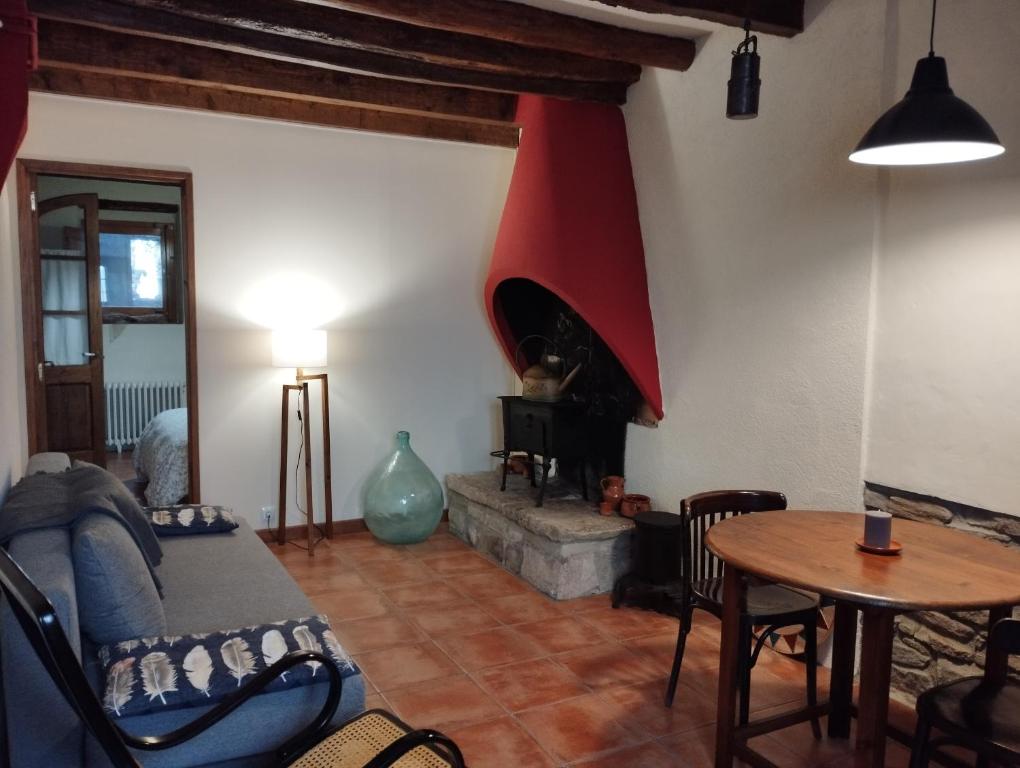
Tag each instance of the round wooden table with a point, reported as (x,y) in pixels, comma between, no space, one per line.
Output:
(939,569)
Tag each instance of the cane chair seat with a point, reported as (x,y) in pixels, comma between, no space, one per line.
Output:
(361,739)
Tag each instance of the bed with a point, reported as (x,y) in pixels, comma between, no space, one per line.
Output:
(161,457)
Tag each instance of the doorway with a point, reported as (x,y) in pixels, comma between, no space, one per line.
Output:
(108,309)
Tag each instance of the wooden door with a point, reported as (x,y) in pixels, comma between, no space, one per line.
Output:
(69,325)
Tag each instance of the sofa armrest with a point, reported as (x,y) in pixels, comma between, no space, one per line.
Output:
(47,463)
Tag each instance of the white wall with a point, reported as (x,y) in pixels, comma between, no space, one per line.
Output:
(758,238)
(382,240)
(945,411)
(13,443)
(816,321)
(146,352)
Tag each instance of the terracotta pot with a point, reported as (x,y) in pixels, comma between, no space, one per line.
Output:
(632,503)
(607,508)
(612,490)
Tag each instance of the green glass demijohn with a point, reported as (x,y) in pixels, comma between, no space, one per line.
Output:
(403,499)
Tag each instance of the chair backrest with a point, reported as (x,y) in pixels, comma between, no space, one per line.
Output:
(703,510)
(1005,636)
(38,620)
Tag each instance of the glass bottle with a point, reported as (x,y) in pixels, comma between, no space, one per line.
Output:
(403,499)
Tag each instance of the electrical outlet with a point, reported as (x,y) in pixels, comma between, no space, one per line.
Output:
(267,514)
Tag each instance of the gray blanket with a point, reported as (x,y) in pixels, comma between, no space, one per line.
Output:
(60,499)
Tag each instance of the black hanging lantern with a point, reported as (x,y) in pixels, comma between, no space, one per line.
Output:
(745,84)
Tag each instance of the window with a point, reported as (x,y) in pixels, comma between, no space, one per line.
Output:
(136,272)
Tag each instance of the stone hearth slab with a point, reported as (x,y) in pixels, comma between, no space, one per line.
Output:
(564,548)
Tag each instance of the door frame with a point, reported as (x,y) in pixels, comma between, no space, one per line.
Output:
(28,171)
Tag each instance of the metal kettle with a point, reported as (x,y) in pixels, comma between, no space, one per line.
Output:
(545,380)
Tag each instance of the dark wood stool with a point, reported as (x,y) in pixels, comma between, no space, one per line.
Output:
(655,580)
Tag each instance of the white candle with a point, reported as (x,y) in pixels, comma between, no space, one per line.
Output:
(877,528)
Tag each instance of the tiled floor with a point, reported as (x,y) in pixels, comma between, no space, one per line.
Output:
(447,639)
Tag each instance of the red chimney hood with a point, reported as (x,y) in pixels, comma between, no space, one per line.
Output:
(570,225)
(17,58)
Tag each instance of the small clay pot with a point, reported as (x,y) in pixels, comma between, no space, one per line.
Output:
(519,466)
(612,490)
(607,508)
(632,503)
(612,481)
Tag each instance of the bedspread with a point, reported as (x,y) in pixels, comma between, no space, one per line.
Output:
(161,457)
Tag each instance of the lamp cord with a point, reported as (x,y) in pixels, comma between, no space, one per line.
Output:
(297,495)
(297,465)
(931,37)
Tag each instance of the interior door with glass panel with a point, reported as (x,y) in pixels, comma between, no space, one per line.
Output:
(68,293)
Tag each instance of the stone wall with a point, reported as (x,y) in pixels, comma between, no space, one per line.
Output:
(565,548)
(934,648)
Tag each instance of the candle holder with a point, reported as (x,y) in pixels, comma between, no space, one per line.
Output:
(877,539)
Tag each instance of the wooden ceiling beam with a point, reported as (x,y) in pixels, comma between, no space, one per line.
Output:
(98,85)
(533,27)
(71,46)
(171,26)
(775,17)
(368,32)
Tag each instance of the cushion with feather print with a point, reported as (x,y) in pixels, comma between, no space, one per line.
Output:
(153,674)
(186,519)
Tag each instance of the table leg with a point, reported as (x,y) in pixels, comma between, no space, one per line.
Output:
(873,703)
(841,687)
(734,599)
(997,662)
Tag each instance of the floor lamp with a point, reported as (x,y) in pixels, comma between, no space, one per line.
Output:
(303,349)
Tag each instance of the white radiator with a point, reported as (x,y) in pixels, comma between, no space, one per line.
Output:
(130,406)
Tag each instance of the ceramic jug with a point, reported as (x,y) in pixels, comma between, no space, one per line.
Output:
(612,490)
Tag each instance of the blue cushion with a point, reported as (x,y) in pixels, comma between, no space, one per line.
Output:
(185,519)
(117,597)
(166,673)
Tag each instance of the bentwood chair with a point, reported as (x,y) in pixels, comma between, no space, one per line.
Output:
(977,714)
(769,606)
(374,739)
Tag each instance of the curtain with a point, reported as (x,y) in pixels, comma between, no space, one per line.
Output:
(65,337)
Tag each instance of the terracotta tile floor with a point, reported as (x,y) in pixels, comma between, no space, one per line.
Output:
(447,639)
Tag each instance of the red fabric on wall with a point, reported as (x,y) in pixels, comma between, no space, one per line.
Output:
(571,225)
(17,58)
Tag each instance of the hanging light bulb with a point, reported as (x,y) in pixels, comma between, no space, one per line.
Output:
(931,125)
(744,86)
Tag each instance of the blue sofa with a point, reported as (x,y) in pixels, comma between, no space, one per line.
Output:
(210,582)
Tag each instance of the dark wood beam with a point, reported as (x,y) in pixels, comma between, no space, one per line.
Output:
(775,17)
(98,85)
(172,26)
(534,27)
(71,46)
(373,33)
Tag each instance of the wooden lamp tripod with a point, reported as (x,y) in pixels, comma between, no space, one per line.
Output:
(300,350)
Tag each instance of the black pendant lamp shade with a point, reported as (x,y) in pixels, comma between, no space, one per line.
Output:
(931,125)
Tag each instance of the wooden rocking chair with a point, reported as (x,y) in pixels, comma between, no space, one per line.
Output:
(374,739)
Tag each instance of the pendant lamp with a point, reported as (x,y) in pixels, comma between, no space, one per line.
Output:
(930,125)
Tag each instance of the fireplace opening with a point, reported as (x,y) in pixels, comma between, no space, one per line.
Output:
(540,324)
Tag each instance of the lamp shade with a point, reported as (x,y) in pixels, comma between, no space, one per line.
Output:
(931,125)
(299,349)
